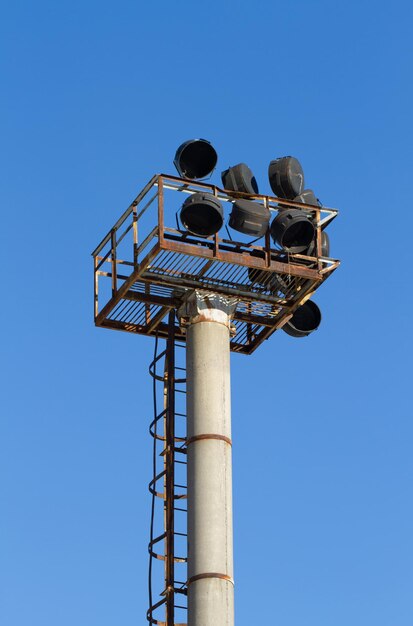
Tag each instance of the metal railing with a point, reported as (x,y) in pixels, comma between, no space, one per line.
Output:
(148,259)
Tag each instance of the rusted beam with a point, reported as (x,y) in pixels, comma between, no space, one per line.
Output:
(191,283)
(117,325)
(162,331)
(244,259)
(174,302)
(249,318)
(150,298)
(273,202)
(155,321)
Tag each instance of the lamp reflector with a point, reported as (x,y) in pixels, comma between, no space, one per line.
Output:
(239,178)
(286,177)
(250,218)
(305,320)
(195,158)
(202,214)
(293,230)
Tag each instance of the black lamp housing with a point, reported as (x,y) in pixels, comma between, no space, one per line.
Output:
(195,158)
(239,178)
(286,177)
(325,246)
(293,230)
(305,320)
(308,197)
(250,218)
(202,214)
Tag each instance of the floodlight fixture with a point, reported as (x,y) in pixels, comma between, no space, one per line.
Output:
(307,197)
(250,218)
(293,230)
(286,177)
(195,158)
(239,178)
(325,246)
(304,321)
(202,214)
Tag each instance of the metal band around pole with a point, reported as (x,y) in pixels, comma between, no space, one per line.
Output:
(209,436)
(210,575)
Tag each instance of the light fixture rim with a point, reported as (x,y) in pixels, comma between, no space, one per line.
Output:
(180,150)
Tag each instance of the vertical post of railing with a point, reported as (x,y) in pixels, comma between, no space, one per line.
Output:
(267,249)
(216,238)
(319,251)
(96,285)
(216,246)
(267,242)
(135,233)
(113,260)
(161,218)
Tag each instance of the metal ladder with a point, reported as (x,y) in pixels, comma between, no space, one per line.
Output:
(168,487)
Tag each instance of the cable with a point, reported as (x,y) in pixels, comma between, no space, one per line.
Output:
(155,414)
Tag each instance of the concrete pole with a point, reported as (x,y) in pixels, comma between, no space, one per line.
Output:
(210,544)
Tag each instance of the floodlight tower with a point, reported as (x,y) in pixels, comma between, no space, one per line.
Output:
(217,295)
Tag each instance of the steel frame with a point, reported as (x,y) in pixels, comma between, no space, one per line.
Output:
(163,262)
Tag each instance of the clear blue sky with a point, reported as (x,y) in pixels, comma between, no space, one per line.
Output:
(96,96)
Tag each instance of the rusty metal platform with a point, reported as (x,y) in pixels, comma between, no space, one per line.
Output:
(146,264)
